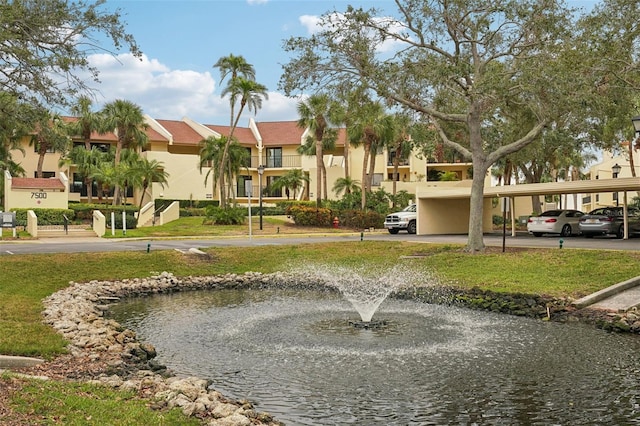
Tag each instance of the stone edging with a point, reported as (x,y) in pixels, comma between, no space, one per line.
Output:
(77,311)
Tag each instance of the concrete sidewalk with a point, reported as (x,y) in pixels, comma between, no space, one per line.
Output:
(618,298)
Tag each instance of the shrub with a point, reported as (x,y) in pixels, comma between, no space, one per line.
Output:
(132,222)
(310,216)
(84,211)
(45,216)
(226,216)
(359,219)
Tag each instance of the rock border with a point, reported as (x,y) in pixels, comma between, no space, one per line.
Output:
(77,313)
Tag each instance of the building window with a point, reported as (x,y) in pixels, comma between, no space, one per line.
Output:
(377,179)
(273,192)
(274,157)
(244,185)
(45,174)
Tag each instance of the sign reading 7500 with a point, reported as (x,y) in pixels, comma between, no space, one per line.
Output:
(39,195)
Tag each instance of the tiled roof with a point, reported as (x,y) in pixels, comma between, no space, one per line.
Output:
(36,183)
(111,137)
(243,134)
(280,133)
(182,133)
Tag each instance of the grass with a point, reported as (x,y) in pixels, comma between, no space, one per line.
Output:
(26,280)
(193,227)
(83,404)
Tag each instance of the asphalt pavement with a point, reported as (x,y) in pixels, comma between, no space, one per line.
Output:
(89,245)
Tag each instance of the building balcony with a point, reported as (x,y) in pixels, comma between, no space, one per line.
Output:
(284,162)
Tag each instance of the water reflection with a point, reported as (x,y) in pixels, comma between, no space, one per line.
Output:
(294,355)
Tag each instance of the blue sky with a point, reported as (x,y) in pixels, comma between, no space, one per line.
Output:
(182,39)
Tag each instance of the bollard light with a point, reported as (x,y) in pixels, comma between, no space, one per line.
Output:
(561,242)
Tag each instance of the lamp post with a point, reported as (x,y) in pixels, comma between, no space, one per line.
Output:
(260,173)
(615,170)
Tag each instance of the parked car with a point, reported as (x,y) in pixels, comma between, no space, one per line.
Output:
(564,222)
(609,221)
(405,219)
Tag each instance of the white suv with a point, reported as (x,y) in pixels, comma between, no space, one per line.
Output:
(406,219)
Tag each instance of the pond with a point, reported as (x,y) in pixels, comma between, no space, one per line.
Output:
(295,355)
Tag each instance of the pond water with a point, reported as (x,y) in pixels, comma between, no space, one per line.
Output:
(294,355)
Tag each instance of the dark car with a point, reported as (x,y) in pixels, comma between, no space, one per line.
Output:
(609,221)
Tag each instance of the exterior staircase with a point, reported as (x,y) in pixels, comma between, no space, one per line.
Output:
(72,231)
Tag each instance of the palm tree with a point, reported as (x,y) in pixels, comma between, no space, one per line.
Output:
(127,120)
(251,93)
(369,129)
(145,173)
(345,185)
(313,113)
(51,136)
(293,180)
(85,162)
(234,66)
(211,150)
(87,123)
(399,145)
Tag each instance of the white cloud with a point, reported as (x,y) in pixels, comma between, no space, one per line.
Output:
(311,23)
(172,94)
(257,1)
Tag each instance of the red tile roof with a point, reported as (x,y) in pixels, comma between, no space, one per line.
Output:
(36,183)
(182,133)
(278,133)
(243,134)
(111,137)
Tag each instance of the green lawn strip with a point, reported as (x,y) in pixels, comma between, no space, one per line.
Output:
(194,226)
(26,280)
(51,402)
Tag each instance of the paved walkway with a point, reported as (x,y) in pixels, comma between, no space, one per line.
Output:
(618,298)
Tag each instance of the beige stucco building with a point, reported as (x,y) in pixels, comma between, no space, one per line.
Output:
(272,145)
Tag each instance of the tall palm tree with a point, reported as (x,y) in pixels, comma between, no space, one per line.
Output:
(127,120)
(51,135)
(399,144)
(234,67)
(87,122)
(368,129)
(313,113)
(250,93)
(85,162)
(211,150)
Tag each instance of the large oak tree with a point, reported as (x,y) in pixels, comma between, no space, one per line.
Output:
(461,65)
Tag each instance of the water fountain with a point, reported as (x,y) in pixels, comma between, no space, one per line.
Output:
(364,287)
(294,353)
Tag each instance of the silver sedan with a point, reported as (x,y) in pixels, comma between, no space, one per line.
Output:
(564,222)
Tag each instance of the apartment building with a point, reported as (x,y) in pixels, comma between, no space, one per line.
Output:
(273,148)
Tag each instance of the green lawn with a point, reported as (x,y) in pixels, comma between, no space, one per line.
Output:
(26,280)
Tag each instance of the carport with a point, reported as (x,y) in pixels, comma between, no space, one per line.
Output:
(446,211)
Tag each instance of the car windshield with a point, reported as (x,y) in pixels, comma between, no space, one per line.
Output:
(552,213)
(410,208)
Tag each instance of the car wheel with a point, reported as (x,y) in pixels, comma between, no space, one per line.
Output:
(537,234)
(620,232)
(412,227)
(393,230)
(566,231)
